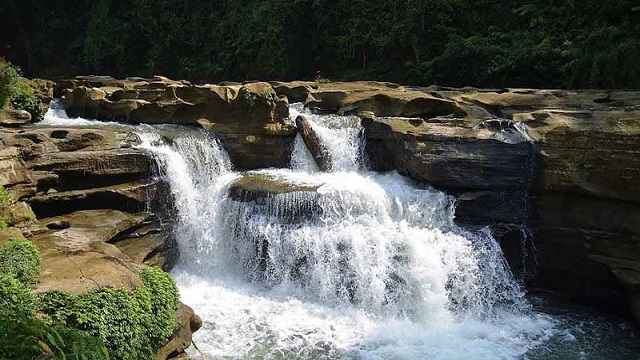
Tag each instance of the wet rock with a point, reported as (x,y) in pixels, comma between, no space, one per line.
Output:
(187,322)
(561,163)
(313,143)
(255,186)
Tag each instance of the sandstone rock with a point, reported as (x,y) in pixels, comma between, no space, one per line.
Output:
(187,322)
(255,186)
(78,257)
(295,91)
(87,169)
(18,214)
(130,197)
(10,117)
(143,246)
(381,99)
(562,163)
(250,120)
(10,233)
(451,157)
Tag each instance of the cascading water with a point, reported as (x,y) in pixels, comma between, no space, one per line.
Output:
(357,265)
(348,264)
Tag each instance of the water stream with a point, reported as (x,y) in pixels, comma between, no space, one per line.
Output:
(357,265)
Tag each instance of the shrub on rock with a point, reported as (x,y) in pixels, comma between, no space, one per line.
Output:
(15,299)
(133,325)
(21,260)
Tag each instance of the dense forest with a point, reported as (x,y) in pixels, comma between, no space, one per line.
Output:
(537,43)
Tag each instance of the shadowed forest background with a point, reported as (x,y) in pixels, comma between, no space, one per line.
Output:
(496,43)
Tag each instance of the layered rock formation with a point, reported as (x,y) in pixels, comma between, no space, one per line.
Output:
(82,196)
(251,120)
(555,173)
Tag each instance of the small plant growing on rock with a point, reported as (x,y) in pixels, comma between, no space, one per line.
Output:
(24,99)
(5,202)
(252,99)
(164,303)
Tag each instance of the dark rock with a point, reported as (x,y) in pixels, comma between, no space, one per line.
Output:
(187,322)
(313,143)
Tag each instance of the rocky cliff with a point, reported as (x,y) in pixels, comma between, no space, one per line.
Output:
(554,173)
(82,196)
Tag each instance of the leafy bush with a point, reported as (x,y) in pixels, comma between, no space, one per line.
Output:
(15,298)
(18,92)
(25,99)
(9,81)
(133,325)
(164,303)
(31,338)
(21,260)
(5,201)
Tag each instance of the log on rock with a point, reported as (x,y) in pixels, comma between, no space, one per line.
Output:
(312,142)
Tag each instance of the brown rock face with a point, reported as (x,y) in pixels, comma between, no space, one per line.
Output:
(251,120)
(10,117)
(381,99)
(89,188)
(187,322)
(562,163)
(295,91)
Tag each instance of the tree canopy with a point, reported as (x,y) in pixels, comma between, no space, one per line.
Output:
(497,43)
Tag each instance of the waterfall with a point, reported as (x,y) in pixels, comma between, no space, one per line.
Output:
(349,264)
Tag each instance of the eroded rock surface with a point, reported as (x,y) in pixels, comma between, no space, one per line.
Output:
(251,120)
(82,197)
(563,164)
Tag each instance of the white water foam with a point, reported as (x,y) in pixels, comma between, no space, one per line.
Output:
(248,315)
(370,267)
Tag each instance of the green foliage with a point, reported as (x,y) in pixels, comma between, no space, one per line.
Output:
(5,198)
(20,95)
(253,99)
(15,298)
(586,43)
(25,99)
(9,81)
(31,338)
(5,201)
(133,325)
(164,303)
(21,260)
